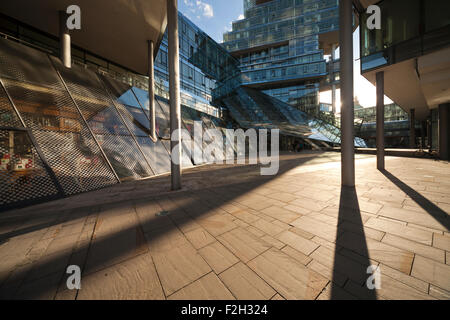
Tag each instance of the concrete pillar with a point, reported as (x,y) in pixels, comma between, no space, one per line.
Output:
(412,128)
(174,93)
(151,89)
(64,41)
(346,79)
(444,132)
(380,120)
(333,86)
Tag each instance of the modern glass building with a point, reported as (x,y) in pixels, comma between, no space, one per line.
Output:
(411,51)
(396,127)
(280,45)
(203,64)
(65,130)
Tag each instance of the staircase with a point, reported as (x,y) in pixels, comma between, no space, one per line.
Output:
(254,109)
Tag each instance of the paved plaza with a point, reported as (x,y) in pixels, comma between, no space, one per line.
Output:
(234,234)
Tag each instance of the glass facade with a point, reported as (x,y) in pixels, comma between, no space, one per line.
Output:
(203,62)
(409,28)
(277,44)
(252,108)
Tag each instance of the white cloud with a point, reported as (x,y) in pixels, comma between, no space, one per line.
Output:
(241,16)
(206,9)
(200,8)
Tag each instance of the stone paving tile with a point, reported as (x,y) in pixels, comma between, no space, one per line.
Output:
(133,279)
(337,267)
(297,209)
(217,224)
(273,242)
(392,256)
(406,279)
(246,284)
(411,216)
(302,233)
(417,248)
(43,288)
(178,267)
(338,278)
(348,214)
(297,255)
(241,223)
(286,276)
(243,244)
(309,204)
(208,287)
(441,242)
(303,245)
(421,236)
(393,289)
(368,232)
(281,214)
(335,293)
(218,257)
(255,231)
(432,271)
(164,239)
(156,244)
(439,293)
(269,228)
(199,238)
(316,227)
(245,216)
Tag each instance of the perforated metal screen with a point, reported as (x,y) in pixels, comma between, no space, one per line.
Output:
(139,124)
(80,131)
(163,108)
(55,123)
(23,177)
(105,122)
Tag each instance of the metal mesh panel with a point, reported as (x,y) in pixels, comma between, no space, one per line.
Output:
(8,117)
(56,124)
(155,152)
(64,140)
(105,122)
(163,109)
(23,177)
(208,124)
(26,64)
(139,125)
(188,122)
(194,115)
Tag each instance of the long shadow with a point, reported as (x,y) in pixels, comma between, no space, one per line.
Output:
(437,213)
(79,211)
(344,267)
(111,249)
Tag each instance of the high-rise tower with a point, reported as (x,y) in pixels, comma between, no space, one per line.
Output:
(281,46)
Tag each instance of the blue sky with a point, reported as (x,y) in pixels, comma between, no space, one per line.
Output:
(212,16)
